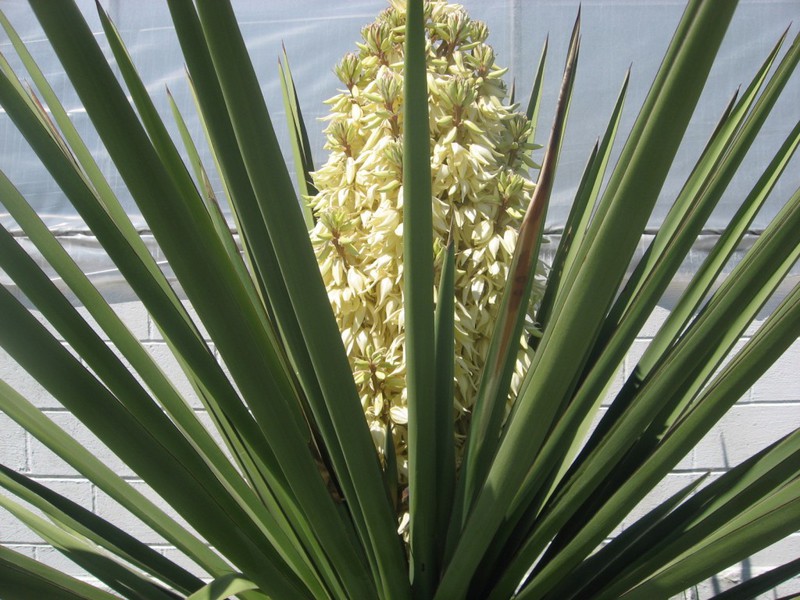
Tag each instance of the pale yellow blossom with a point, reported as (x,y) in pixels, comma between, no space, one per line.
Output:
(481,185)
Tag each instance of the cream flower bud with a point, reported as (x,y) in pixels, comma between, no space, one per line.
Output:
(341,137)
(349,70)
(378,40)
(460,93)
(481,59)
(388,87)
(479,31)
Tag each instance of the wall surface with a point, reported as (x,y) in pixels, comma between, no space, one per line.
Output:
(767,411)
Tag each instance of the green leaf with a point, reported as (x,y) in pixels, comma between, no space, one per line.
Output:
(140,360)
(106,218)
(72,516)
(111,572)
(444,374)
(139,269)
(766,529)
(615,557)
(208,195)
(610,349)
(704,188)
(647,157)
(151,447)
(490,402)
(418,306)
(223,587)
(138,357)
(583,207)
(23,578)
(768,344)
(535,100)
(729,240)
(301,147)
(298,265)
(21,411)
(78,150)
(258,243)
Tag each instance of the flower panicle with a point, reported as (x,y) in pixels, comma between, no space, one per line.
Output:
(480,159)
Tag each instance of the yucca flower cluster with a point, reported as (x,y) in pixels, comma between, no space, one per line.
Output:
(480,159)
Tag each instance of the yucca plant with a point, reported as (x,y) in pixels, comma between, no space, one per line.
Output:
(286,493)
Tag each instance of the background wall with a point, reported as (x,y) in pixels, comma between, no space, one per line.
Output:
(616,34)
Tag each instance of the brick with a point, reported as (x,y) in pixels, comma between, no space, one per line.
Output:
(14,531)
(785,590)
(734,575)
(24,549)
(131,312)
(46,462)
(777,554)
(24,384)
(110,509)
(654,322)
(742,432)
(180,559)
(155,334)
(77,490)
(615,386)
(666,488)
(781,382)
(53,558)
(12,444)
(635,353)
(169,365)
